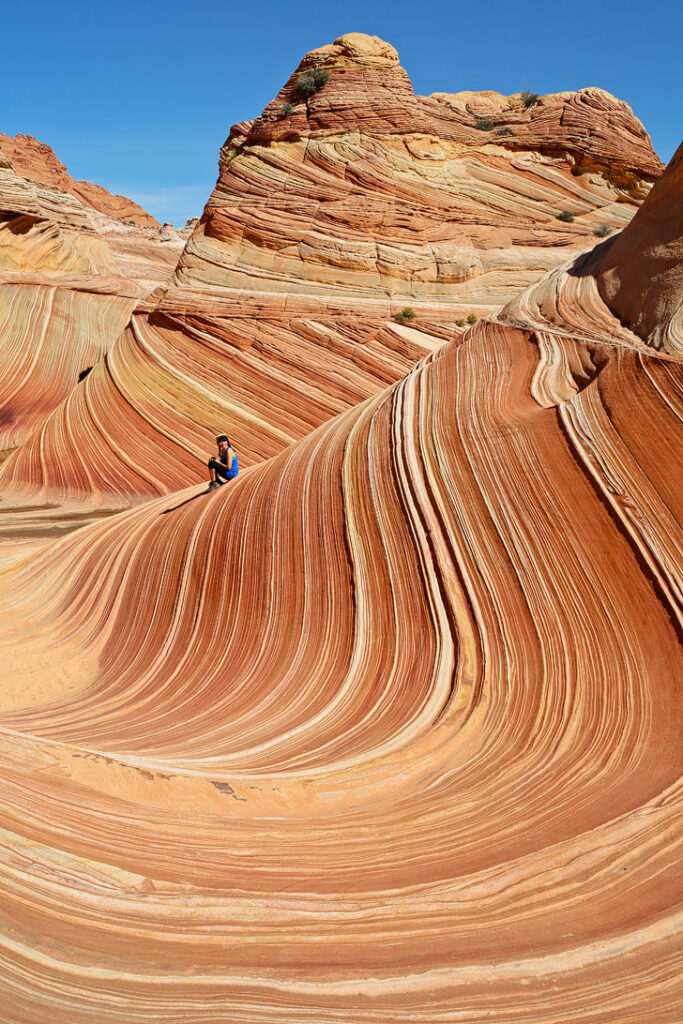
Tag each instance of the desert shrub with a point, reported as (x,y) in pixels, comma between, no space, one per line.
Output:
(406,315)
(505,131)
(602,231)
(320,76)
(311,82)
(484,124)
(460,323)
(286,110)
(472,319)
(305,85)
(643,133)
(566,216)
(529,98)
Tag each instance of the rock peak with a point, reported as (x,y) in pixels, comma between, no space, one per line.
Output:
(37,162)
(354,48)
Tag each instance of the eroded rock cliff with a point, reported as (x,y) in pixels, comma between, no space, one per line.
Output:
(329,219)
(386,729)
(36,161)
(69,280)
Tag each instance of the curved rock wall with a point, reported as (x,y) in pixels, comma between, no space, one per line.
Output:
(650,303)
(69,281)
(389,725)
(387,729)
(325,223)
(36,161)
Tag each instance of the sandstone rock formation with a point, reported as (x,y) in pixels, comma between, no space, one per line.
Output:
(364,188)
(326,221)
(388,729)
(370,92)
(69,281)
(641,276)
(36,161)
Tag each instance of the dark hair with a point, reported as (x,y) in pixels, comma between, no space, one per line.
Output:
(223,437)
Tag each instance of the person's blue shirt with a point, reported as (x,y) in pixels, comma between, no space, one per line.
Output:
(233,468)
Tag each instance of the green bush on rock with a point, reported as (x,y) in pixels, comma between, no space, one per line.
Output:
(310,82)
(405,316)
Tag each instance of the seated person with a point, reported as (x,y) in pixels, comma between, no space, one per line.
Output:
(224,467)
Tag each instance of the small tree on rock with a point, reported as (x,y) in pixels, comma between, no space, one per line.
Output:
(406,315)
(310,82)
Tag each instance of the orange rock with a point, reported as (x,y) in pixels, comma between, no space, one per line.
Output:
(641,274)
(387,726)
(69,280)
(325,223)
(36,161)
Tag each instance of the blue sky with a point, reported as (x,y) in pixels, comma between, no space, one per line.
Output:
(139,96)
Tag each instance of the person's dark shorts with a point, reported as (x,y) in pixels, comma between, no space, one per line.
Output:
(222,470)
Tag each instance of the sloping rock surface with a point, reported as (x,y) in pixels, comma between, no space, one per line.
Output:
(69,281)
(388,728)
(36,161)
(327,220)
(641,275)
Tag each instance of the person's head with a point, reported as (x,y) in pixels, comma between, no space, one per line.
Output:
(223,442)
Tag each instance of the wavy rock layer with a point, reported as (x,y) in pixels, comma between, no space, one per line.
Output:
(36,161)
(143,422)
(326,222)
(387,729)
(69,281)
(641,276)
(364,189)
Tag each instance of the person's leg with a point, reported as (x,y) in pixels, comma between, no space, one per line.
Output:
(218,470)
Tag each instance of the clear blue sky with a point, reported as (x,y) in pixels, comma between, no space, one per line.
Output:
(139,96)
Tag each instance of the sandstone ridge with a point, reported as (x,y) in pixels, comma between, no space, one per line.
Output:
(388,722)
(370,91)
(36,161)
(641,275)
(324,224)
(69,279)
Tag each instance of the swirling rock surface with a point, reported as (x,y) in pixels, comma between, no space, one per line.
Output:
(650,303)
(36,161)
(326,221)
(386,730)
(69,280)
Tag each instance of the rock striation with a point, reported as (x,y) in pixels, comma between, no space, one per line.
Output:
(69,281)
(37,162)
(387,728)
(641,274)
(365,188)
(327,220)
